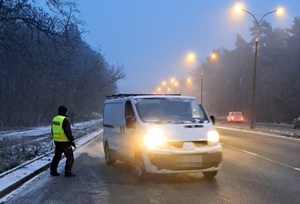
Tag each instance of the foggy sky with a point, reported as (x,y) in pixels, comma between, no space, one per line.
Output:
(151,38)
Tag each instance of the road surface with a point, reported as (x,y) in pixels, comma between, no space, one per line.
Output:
(256,169)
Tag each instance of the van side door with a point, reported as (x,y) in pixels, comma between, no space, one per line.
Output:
(113,123)
(128,134)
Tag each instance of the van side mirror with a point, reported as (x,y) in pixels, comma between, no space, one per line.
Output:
(213,119)
(130,122)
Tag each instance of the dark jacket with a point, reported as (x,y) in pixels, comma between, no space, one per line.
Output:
(67,129)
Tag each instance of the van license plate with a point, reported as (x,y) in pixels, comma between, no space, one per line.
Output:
(189,161)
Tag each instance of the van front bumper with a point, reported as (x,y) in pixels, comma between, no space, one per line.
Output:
(182,162)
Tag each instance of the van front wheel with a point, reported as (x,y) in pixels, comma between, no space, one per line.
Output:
(139,168)
(108,157)
(210,175)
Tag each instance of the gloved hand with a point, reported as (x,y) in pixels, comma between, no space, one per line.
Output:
(73,144)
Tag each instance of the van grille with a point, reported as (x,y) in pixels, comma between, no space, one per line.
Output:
(179,144)
(169,161)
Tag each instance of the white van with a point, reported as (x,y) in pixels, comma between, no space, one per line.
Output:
(160,134)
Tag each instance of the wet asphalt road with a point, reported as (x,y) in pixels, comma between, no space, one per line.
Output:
(255,169)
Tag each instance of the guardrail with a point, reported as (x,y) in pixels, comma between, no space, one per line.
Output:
(10,184)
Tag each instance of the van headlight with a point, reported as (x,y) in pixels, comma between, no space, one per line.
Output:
(154,138)
(212,137)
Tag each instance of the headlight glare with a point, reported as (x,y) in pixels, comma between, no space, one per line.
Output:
(154,138)
(213,137)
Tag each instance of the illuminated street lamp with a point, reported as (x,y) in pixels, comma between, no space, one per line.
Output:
(179,83)
(158,90)
(165,87)
(171,86)
(169,90)
(192,57)
(185,82)
(175,83)
(239,9)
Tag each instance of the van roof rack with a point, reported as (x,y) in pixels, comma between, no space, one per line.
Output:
(122,95)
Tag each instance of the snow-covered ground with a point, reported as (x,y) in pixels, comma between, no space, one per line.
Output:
(13,178)
(37,131)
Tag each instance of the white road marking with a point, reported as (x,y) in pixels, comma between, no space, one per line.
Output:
(265,158)
(249,152)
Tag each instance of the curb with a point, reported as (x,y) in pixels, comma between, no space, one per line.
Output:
(20,182)
(43,168)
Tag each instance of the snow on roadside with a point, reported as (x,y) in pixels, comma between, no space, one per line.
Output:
(37,131)
(20,174)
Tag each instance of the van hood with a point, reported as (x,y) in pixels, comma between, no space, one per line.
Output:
(184,132)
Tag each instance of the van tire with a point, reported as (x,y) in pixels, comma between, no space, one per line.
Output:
(210,174)
(139,167)
(108,156)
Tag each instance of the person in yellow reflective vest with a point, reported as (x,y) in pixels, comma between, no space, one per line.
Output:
(64,140)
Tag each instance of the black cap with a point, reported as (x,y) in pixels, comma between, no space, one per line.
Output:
(62,110)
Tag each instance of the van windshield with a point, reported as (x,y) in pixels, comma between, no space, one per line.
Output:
(170,110)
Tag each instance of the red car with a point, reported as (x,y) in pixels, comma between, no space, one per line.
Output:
(235,117)
(296,123)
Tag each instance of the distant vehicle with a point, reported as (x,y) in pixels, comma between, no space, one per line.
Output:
(160,134)
(235,117)
(296,123)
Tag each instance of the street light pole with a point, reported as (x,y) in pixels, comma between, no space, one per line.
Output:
(202,75)
(201,99)
(192,56)
(252,117)
(252,120)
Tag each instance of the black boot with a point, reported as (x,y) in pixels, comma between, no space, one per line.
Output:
(54,174)
(69,174)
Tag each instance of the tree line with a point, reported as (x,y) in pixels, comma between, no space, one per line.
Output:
(44,62)
(228,80)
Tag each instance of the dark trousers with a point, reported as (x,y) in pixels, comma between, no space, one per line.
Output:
(66,148)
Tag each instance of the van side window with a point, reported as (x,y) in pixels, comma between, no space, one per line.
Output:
(113,114)
(128,109)
(129,114)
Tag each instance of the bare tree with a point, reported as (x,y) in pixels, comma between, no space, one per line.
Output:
(45,63)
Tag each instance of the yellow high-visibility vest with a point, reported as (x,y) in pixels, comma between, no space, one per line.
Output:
(57,129)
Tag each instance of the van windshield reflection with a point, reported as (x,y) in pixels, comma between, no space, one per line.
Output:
(166,110)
